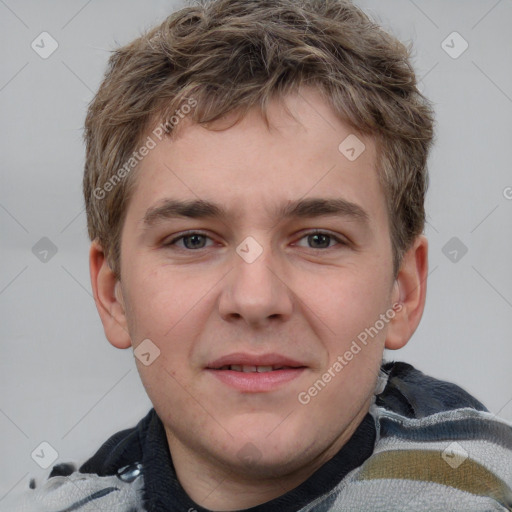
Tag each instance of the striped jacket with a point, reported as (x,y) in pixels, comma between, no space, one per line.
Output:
(435,449)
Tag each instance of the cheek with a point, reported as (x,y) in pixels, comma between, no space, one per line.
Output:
(170,309)
(164,302)
(347,302)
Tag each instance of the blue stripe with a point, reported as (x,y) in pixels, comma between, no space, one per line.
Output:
(92,497)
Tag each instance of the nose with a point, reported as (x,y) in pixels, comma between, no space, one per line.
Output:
(256,291)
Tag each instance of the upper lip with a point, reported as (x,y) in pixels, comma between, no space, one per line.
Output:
(244,359)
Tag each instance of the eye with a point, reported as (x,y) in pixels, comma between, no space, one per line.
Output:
(195,240)
(192,241)
(321,240)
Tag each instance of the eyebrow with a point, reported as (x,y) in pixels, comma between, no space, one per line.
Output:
(301,208)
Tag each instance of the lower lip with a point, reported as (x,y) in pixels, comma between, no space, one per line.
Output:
(254,382)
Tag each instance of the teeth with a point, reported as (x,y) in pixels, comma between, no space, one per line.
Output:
(263,369)
(251,368)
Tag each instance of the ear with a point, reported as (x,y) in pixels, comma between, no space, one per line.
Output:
(409,294)
(108,298)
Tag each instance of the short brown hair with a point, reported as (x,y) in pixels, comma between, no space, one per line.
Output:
(234,55)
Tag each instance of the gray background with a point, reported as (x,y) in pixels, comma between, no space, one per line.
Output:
(60,380)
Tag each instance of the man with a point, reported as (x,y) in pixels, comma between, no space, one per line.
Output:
(254,183)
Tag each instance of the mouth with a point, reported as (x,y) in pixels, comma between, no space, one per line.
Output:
(255,374)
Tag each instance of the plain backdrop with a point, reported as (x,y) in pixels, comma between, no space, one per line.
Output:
(60,380)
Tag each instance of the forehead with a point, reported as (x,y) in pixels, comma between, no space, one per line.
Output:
(250,167)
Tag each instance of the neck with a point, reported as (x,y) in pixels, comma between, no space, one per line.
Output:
(216,485)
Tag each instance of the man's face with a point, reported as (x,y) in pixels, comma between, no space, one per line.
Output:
(236,285)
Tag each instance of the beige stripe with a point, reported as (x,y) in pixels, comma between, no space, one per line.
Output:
(429,466)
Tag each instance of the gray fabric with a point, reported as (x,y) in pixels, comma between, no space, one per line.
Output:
(79,492)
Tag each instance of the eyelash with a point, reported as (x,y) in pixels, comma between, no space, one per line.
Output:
(305,235)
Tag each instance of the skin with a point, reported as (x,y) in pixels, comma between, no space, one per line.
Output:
(304,297)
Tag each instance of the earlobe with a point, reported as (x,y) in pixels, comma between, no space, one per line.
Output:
(108,298)
(409,294)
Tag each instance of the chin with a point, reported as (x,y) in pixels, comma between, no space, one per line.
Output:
(270,449)
(264,464)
